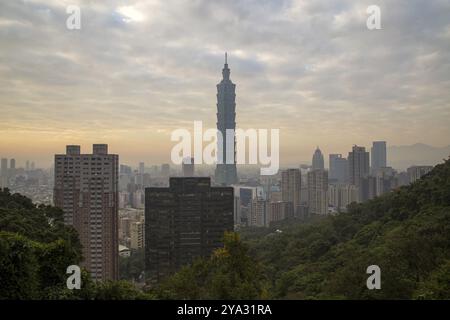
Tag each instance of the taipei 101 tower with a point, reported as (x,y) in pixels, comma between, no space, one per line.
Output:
(226,173)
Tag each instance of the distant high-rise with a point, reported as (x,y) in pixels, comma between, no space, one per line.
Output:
(27,165)
(318,191)
(358,164)
(317,160)
(342,194)
(165,169)
(137,235)
(417,172)
(226,173)
(245,195)
(12,164)
(86,189)
(367,188)
(291,183)
(141,168)
(125,170)
(338,169)
(4,173)
(32,166)
(279,210)
(187,167)
(258,213)
(184,221)
(378,156)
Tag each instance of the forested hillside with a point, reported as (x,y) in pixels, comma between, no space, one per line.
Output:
(35,250)
(406,233)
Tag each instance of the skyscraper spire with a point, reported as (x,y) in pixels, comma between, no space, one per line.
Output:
(226,173)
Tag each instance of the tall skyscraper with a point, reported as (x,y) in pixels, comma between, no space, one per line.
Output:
(291,183)
(338,169)
(317,160)
(184,221)
(378,156)
(187,167)
(4,173)
(318,191)
(86,189)
(358,164)
(226,173)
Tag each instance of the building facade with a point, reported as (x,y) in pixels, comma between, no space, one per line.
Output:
(416,172)
(318,191)
(358,164)
(338,169)
(291,184)
(280,210)
(4,173)
(258,213)
(184,221)
(378,156)
(317,160)
(86,189)
(137,231)
(187,167)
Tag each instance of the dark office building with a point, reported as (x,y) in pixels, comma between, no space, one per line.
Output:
(184,221)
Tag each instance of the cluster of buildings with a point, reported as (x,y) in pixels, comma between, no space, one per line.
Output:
(28,180)
(176,217)
(314,190)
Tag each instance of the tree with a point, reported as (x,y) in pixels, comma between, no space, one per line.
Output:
(230,273)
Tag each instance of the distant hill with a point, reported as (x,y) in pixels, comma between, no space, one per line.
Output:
(402,157)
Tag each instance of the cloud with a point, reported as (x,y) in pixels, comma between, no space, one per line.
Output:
(311,68)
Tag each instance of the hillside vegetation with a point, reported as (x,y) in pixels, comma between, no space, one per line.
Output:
(406,233)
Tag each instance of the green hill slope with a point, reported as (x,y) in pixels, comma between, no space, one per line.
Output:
(35,250)
(406,233)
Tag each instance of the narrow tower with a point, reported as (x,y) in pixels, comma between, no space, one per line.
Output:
(226,173)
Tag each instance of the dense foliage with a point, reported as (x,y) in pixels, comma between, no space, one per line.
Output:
(132,268)
(228,274)
(406,233)
(35,250)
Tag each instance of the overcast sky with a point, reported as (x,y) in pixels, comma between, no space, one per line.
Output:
(136,70)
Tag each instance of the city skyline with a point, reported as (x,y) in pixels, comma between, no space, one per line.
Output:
(114,81)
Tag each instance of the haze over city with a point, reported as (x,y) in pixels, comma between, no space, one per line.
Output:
(135,71)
